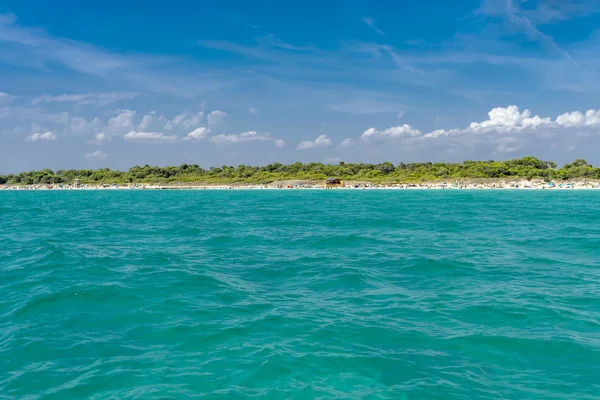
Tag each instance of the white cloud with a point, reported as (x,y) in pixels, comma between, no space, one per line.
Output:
(249,136)
(371,24)
(216,116)
(507,130)
(578,119)
(570,119)
(321,141)
(36,49)
(124,120)
(48,136)
(96,155)
(152,121)
(80,126)
(186,120)
(519,19)
(440,132)
(253,111)
(198,134)
(5,97)
(347,142)
(279,143)
(509,118)
(149,136)
(86,98)
(394,132)
(100,138)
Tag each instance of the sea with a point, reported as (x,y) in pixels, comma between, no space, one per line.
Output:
(300,294)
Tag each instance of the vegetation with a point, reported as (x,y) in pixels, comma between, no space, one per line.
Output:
(524,168)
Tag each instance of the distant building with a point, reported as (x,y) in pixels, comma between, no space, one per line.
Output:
(333,181)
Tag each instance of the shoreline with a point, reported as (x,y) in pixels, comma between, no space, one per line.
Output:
(311,185)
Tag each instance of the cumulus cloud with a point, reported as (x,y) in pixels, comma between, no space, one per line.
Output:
(96,155)
(101,99)
(80,126)
(394,132)
(63,123)
(509,118)
(216,116)
(347,142)
(321,141)
(249,136)
(198,134)
(509,130)
(506,130)
(186,120)
(123,120)
(502,120)
(45,137)
(279,143)
(149,136)
(152,121)
(440,133)
(578,119)
(99,138)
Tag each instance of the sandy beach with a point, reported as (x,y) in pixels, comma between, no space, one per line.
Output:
(315,185)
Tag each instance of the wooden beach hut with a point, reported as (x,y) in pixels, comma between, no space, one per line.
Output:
(333,182)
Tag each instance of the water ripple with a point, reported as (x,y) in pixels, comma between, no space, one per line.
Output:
(290,294)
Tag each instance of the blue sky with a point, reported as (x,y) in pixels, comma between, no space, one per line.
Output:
(114,84)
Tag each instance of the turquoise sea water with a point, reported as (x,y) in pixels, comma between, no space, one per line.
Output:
(300,294)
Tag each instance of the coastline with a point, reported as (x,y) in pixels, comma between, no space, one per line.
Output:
(472,184)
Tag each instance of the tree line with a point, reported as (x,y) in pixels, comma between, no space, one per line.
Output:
(527,168)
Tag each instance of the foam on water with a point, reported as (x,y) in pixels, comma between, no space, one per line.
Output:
(299,294)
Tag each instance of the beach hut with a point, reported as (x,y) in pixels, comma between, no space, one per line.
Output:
(333,182)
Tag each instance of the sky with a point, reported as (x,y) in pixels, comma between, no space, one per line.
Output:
(117,84)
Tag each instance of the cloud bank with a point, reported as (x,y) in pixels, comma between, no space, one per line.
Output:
(507,129)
